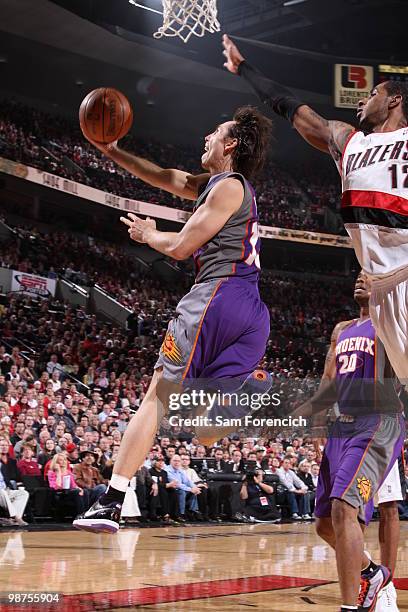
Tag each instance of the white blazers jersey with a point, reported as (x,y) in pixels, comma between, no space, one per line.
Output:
(374,173)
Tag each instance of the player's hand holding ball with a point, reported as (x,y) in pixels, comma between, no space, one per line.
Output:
(138,228)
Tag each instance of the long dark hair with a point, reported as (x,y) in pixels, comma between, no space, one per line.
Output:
(252,131)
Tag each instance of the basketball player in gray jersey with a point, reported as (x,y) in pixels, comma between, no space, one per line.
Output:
(221,326)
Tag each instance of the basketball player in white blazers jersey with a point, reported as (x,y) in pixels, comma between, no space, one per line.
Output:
(373,165)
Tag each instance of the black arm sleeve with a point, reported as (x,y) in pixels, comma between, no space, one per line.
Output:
(278,97)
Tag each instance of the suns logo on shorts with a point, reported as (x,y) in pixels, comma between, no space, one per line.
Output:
(364,487)
(170,349)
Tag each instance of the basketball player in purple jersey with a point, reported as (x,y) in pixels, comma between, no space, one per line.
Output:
(221,326)
(356,354)
(372,162)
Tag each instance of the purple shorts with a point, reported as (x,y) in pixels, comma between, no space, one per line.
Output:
(356,460)
(220,331)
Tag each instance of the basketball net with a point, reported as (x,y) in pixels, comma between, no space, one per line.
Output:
(184,18)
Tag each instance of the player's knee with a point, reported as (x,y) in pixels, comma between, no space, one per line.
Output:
(324,528)
(342,513)
(167,392)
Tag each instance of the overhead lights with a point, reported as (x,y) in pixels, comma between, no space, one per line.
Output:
(293,2)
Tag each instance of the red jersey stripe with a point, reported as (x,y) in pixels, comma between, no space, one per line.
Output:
(375,199)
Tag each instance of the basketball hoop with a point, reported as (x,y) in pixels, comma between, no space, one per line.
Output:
(184,18)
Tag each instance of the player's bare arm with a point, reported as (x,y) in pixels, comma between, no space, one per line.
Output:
(329,372)
(177,182)
(323,134)
(223,200)
(324,397)
(326,135)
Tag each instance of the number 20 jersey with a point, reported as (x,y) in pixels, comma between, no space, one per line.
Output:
(365,381)
(374,172)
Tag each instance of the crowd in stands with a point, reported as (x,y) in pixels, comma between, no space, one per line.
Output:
(55,144)
(62,421)
(86,262)
(299,331)
(69,384)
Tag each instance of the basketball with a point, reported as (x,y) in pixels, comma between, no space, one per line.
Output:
(105,115)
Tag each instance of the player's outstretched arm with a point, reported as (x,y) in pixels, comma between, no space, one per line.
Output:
(182,184)
(325,135)
(222,201)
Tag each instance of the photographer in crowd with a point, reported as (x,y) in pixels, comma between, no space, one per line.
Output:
(260,505)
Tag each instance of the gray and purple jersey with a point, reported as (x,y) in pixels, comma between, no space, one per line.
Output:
(221,326)
(365,380)
(234,250)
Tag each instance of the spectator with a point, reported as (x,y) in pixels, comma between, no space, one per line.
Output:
(88,477)
(13,497)
(220,464)
(123,421)
(72,453)
(314,470)
(296,490)
(202,498)
(160,502)
(18,434)
(13,374)
(60,478)
(55,379)
(183,487)
(28,464)
(304,473)
(53,365)
(236,464)
(47,454)
(169,451)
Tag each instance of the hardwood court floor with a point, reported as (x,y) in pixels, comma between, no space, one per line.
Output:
(197,568)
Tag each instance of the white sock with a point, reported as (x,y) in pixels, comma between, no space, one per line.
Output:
(349,608)
(120,483)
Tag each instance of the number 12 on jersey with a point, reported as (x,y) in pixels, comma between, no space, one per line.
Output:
(394,176)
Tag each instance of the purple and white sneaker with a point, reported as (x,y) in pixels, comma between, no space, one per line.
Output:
(370,587)
(100,518)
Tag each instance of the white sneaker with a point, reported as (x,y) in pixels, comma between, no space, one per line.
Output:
(306,517)
(387,599)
